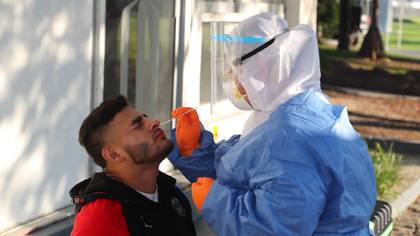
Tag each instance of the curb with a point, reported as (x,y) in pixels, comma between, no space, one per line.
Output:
(405,199)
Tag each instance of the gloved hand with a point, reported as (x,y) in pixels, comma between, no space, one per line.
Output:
(188,130)
(200,189)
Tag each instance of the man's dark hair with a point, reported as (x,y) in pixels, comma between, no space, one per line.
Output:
(91,133)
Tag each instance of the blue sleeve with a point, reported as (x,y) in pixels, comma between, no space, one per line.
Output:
(282,198)
(276,208)
(202,161)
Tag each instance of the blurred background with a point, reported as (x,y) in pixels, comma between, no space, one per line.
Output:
(60,59)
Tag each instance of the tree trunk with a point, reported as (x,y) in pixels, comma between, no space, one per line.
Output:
(344,31)
(373,46)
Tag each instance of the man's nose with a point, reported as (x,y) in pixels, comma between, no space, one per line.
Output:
(154,124)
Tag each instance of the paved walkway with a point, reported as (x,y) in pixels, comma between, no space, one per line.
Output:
(408,224)
(411,53)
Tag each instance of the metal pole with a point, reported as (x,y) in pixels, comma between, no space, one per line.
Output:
(125,47)
(402,3)
(97,72)
(237,4)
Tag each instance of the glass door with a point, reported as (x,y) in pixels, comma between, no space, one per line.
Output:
(139,55)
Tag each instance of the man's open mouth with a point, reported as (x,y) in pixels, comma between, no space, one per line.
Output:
(158,133)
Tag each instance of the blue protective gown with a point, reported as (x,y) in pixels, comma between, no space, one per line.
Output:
(305,171)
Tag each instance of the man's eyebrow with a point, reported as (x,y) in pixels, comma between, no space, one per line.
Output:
(137,120)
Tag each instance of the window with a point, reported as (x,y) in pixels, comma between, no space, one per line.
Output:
(219,115)
(139,55)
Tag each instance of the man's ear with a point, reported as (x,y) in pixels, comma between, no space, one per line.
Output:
(111,154)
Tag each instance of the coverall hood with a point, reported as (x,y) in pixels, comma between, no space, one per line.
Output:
(282,70)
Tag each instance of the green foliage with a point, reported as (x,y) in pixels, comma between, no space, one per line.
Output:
(387,165)
(328,17)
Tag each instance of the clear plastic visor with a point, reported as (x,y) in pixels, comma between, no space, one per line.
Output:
(226,51)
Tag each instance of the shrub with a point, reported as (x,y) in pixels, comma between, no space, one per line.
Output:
(328,18)
(387,165)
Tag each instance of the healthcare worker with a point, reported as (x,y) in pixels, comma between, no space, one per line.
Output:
(299,167)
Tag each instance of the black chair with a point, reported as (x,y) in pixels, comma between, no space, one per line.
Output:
(381,219)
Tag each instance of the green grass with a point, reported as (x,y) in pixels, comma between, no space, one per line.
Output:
(329,52)
(387,166)
(410,34)
(332,53)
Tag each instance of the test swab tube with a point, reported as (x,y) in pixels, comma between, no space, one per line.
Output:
(168,121)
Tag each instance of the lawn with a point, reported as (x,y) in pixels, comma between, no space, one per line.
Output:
(410,34)
(397,75)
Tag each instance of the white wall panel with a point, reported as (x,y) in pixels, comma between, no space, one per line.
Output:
(45,76)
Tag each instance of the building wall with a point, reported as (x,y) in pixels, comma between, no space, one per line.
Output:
(301,12)
(45,76)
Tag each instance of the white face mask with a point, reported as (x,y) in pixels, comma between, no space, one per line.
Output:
(237,99)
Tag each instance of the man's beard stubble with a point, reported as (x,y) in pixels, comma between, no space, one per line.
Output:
(141,154)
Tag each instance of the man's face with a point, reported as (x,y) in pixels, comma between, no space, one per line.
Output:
(140,137)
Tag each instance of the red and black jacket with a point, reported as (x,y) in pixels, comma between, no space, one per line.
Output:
(107,207)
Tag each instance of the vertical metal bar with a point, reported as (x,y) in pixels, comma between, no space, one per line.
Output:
(180,57)
(213,76)
(154,26)
(97,70)
(237,5)
(176,95)
(400,23)
(125,47)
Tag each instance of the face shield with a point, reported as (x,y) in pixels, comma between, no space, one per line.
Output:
(229,51)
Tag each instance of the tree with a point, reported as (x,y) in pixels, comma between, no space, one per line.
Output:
(328,13)
(345,29)
(373,46)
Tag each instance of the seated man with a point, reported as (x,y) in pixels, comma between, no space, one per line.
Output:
(131,196)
